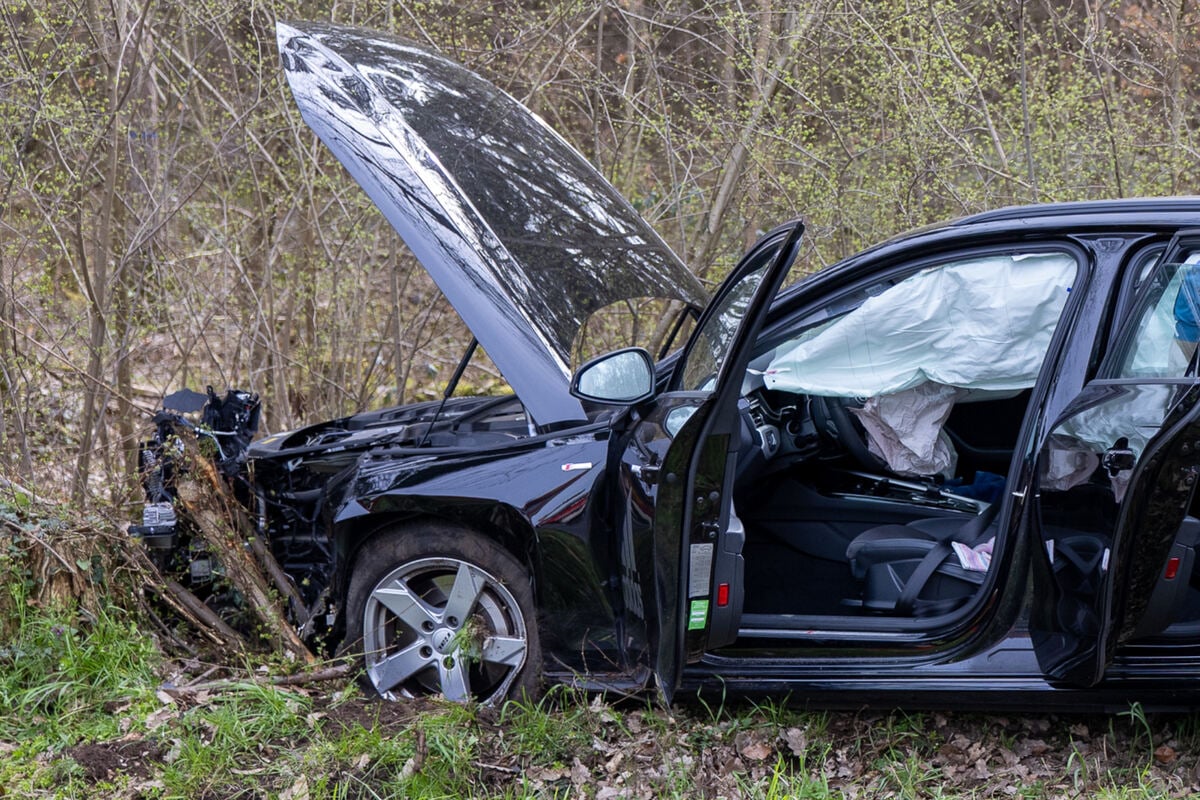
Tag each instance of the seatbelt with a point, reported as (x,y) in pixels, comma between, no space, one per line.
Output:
(972,532)
(968,534)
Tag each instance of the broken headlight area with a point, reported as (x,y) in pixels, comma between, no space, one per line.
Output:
(223,427)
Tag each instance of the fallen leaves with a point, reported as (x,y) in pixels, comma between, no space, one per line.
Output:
(297,791)
(796,741)
(1165,754)
(751,746)
(618,752)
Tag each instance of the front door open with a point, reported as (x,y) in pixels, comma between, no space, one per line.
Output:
(681,536)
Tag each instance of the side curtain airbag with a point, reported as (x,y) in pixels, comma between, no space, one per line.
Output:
(979,324)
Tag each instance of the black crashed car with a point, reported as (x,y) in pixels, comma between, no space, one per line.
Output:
(956,469)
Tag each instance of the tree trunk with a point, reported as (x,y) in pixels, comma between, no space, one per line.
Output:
(207,502)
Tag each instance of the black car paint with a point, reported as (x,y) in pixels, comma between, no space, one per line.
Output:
(1003,639)
(522,496)
(990,660)
(601,617)
(522,234)
(1167,473)
(591,509)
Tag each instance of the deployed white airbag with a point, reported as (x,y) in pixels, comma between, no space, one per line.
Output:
(1134,413)
(905,429)
(979,324)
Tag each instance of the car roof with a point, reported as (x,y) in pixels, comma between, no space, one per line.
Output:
(1074,209)
(1148,213)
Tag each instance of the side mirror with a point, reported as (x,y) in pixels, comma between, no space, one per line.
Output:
(622,377)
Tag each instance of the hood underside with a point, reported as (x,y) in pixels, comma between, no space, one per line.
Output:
(523,236)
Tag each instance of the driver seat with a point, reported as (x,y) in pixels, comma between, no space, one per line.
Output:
(911,570)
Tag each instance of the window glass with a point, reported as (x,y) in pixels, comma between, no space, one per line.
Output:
(651,322)
(973,330)
(713,341)
(1168,322)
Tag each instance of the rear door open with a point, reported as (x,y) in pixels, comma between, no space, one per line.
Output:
(1116,483)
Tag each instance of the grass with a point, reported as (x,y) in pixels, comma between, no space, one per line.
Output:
(75,692)
(555,728)
(57,675)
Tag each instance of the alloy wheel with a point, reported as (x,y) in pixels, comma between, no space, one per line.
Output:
(443,626)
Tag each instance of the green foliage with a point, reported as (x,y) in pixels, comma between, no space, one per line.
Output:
(554,728)
(221,735)
(244,739)
(169,220)
(1141,724)
(58,672)
(15,575)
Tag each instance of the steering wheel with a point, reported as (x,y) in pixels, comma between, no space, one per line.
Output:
(833,420)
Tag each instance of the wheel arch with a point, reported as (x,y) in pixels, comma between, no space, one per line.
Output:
(494,520)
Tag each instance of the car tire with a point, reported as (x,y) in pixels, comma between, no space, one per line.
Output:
(437,609)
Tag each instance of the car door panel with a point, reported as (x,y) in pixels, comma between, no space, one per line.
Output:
(680,532)
(1116,477)
(1105,534)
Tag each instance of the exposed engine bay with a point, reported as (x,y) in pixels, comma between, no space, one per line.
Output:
(282,480)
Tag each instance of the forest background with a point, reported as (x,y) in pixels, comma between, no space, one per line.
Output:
(166,219)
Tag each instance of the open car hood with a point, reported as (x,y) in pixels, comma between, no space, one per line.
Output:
(523,236)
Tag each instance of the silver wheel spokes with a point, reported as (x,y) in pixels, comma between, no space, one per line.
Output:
(443,625)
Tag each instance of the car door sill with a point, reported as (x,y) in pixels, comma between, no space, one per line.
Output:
(792,626)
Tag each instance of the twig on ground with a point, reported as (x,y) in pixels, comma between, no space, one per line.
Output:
(498,768)
(297,679)
(163,628)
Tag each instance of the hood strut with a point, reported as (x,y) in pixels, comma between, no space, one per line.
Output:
(450,387)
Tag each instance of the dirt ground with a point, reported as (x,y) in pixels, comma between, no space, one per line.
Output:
(640,752)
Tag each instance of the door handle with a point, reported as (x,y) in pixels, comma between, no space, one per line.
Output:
(648,475)
(1118,458)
